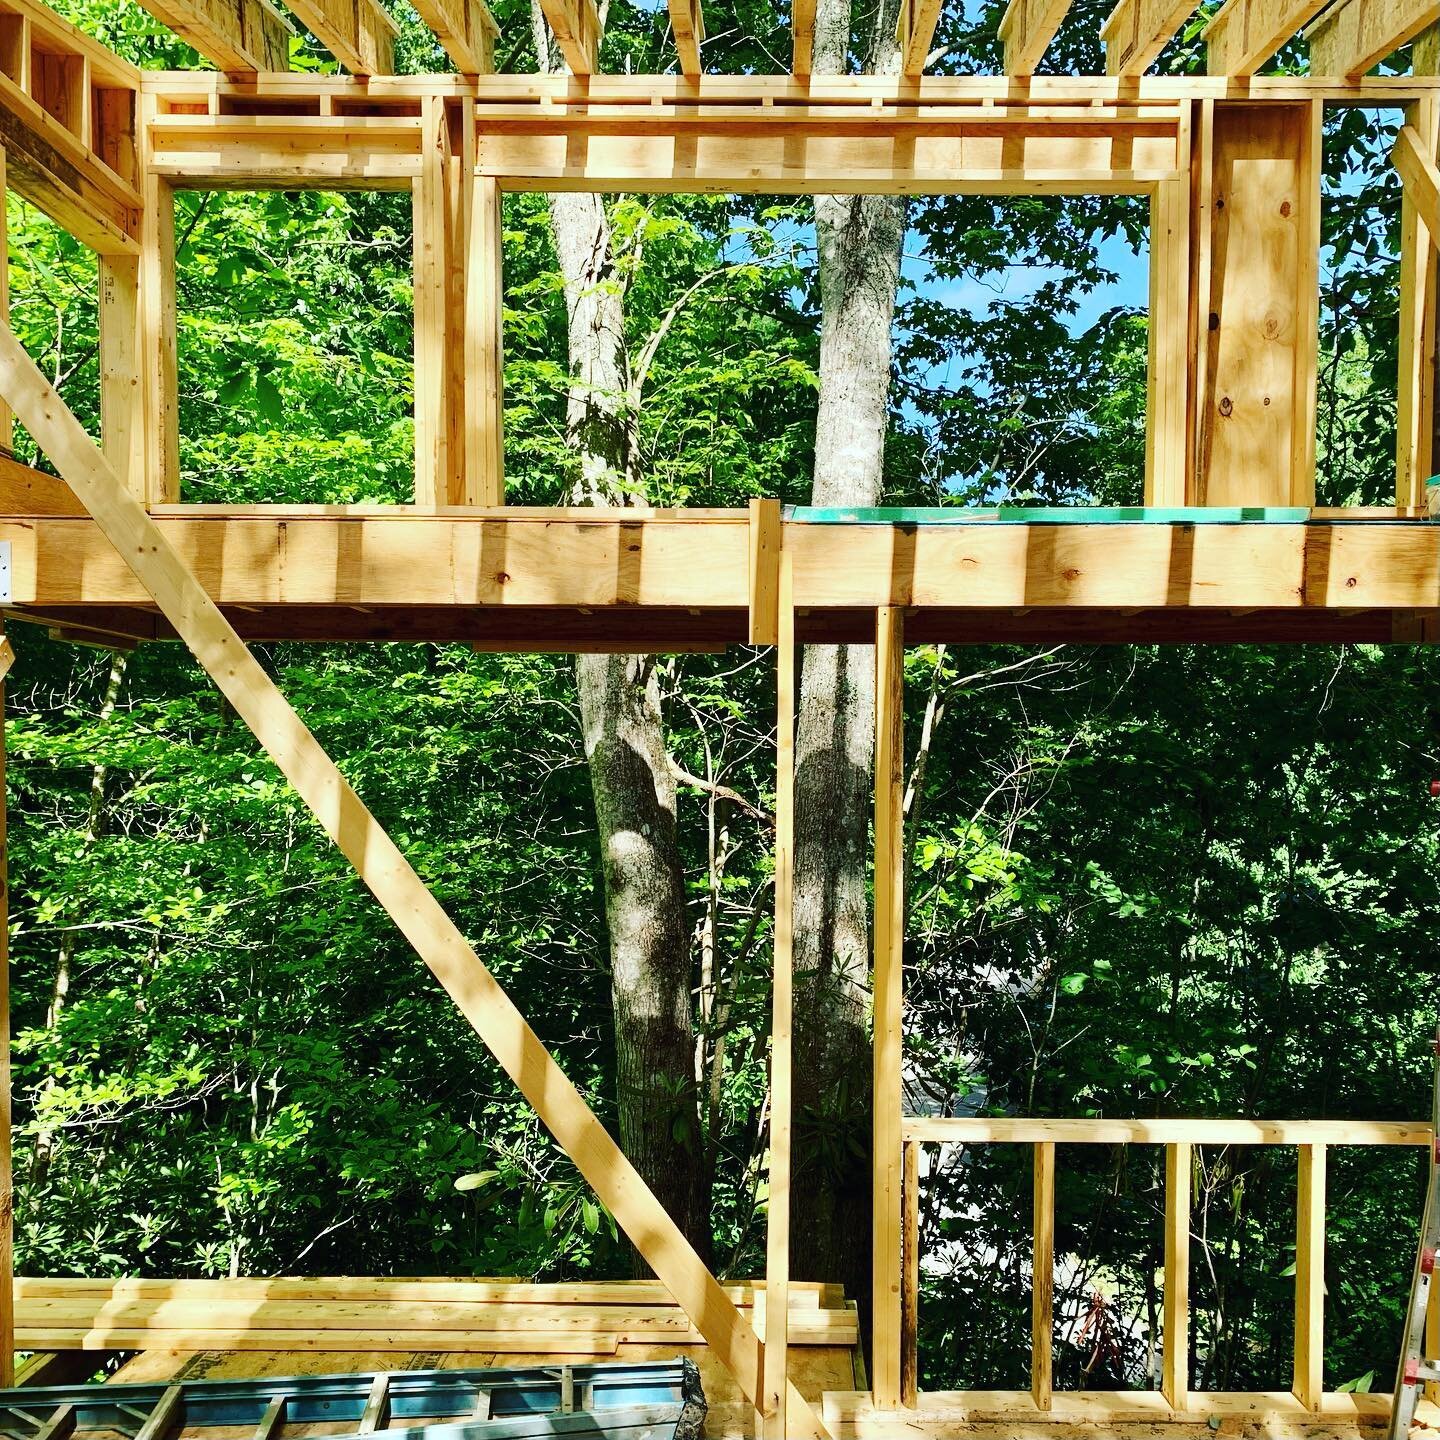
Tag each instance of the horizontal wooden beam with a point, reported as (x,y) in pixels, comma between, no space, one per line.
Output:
(1027,28)
(1355,35)
(1138,30)
(236,35)
(1244,34)
(1011,1130)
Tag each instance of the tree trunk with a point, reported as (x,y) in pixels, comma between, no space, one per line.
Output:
(859,239)
(630,777)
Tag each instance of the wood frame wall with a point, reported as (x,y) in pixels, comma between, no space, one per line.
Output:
(1231,172)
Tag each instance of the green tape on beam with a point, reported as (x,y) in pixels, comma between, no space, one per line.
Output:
(1051,515)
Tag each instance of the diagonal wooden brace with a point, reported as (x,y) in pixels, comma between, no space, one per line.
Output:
(378,861)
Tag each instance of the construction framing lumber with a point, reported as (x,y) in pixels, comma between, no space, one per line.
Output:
(1175,1338)
(183,600)
(915,32)
(1042,1276)
(1009,1130)
(466,30)
(359,33)
(887,1137)
(1243,34)
(1310,1277)
(575,25)
(1136,31)
(7,1178)
(687,25)
(1415,160)
(1353,36)
(1027,28)
(237,35)
(774,1404)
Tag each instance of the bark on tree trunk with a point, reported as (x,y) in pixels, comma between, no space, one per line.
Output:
(630,776)
(859,239)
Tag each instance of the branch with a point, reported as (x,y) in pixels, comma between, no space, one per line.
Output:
(721,792)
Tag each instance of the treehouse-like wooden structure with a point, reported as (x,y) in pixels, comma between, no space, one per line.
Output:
(1228,548)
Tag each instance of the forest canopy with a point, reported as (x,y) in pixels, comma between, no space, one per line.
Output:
(1142,880)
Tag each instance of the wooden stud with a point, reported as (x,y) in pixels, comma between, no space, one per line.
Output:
(1243,34)
(765,536)
(910,1279)
(777,1228)
(390,877)
(7,420)
(1354,36)
(7,1182)
(157,479)
(1309,1384)
(1415,413)
(1027,28)
(1042,1299)
(459,206)
(1167,432)
(60,1424)
(485,348)
(889,1000)
(431,289)
(802,37)
(1256,265)
(1175,1359)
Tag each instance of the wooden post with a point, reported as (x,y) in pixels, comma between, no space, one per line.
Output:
(1255,273)
(1042,1297)
(889,999)
(485,349)
(431,288)
(777,1229)
(157,479)
(7,419)
(910,1281)
(1167,431)
(1310,1277)
(1175,1361)
(184,602)
(7,1182)
(459,205)
(1415,408)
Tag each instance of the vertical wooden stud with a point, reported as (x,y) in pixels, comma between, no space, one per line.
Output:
(1415,397)
(777,1229)
(459,203)
(430,288)
(122,416)
(1166,429)
(485,348)
(1432,1339)
(765,540)
(889,1000)
(7,418)
(910,1281)
(157,480)
(1042,1296)
(7,1182)
(1256,267)
(1310,1277)
(1175,1360)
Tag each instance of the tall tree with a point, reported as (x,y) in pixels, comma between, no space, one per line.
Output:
(630,773)
(859,239)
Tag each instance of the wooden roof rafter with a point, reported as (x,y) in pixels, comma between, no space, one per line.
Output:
(1243,34)
(1027,28)
(1136,31)
(915,32)
(235,35)
(1353,36)
(687,24)
(576,27)
(359,33)
(466,30)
